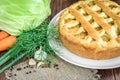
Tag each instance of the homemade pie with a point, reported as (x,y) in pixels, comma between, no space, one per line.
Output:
(91,29)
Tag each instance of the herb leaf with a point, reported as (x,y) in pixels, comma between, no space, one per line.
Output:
(27,43)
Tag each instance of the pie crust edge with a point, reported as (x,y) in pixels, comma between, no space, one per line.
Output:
(83,50)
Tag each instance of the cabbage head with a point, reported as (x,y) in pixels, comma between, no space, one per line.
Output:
(17,16)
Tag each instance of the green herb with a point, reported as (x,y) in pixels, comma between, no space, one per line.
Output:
(26,45)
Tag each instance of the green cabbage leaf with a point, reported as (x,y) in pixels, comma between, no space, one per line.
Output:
(17,16)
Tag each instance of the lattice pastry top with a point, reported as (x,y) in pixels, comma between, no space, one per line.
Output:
(93,23)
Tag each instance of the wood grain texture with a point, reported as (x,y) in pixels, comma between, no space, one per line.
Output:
(56,6)
(107,74)
(117,73)
(2,76)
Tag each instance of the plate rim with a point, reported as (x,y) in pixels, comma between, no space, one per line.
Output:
(53,21)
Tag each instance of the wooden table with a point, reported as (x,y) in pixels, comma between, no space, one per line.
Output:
(56,6)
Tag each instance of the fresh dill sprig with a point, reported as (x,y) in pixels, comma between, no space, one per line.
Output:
(27,43)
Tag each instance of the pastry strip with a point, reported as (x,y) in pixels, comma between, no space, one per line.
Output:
(87,26)
(99,20)
(109,12)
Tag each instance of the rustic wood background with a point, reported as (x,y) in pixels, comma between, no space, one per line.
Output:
(56,6)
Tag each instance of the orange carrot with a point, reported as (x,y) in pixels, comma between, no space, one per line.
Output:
(3,35)
(7,43)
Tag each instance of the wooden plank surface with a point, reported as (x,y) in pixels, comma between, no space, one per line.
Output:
(56,6)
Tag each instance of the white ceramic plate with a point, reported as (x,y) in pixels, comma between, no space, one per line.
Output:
(68,56)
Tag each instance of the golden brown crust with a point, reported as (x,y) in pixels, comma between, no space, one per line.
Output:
(90,53)
(88,32)
(85,24)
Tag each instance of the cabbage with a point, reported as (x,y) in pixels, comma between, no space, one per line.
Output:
(17,16)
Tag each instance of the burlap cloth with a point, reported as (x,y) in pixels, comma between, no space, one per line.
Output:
(62,71)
